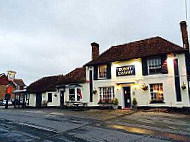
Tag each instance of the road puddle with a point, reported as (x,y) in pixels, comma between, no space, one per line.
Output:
(175,137)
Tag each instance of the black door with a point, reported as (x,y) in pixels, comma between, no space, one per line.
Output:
(91,86)
(127,96)
(62,98)
(38,100)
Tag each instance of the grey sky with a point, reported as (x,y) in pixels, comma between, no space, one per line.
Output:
(49,37)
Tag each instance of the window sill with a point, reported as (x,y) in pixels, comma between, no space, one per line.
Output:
(102,78)
(157,102)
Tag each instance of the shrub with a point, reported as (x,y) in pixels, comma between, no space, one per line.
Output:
(115,101)
(134,102)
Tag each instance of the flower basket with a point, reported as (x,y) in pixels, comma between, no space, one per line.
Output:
(94,92)
(144,87)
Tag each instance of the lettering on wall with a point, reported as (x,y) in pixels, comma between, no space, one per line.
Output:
(125,70)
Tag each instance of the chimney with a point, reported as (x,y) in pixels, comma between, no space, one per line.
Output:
(184,33)
(95,50)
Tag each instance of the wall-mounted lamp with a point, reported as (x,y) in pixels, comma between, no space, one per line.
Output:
(183,86)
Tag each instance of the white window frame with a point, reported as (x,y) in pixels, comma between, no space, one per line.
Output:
(105,74)
(155,63)
(154,98)
(75,94)
(103,90)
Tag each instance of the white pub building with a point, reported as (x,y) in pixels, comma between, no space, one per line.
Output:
(154,71)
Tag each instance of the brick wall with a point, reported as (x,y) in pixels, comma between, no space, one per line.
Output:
(3,92)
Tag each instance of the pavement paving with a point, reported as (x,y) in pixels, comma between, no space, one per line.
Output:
(54,125)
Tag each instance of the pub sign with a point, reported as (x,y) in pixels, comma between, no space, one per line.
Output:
(125,70)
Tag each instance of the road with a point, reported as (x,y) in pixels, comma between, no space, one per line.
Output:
(59,125)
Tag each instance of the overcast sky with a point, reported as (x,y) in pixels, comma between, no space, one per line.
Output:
(49,37)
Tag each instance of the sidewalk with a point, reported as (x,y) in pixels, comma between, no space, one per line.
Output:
(95,114)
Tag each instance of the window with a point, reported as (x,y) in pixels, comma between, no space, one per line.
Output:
(156,91)
(71,94)
(106,93)
(49,97)
(102,72)
(154,65)
(75,94)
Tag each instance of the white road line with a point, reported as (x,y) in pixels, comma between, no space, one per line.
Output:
(38,127)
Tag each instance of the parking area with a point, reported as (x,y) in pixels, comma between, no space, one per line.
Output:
(92,125)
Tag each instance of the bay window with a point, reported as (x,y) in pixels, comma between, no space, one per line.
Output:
(75,94)
(71,94)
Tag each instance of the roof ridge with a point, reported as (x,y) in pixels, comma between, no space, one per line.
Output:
(135,41)
(53,76)
(140,48)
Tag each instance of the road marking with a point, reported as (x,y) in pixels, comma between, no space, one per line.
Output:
(38,127)
(175,137)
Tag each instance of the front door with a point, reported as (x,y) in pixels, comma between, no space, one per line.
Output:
(127,97)
(38,100)
(62,98)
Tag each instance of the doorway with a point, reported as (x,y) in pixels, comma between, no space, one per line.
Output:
(62,98)
(127,97)
(38,100)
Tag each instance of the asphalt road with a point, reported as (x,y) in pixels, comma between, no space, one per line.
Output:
(55,125)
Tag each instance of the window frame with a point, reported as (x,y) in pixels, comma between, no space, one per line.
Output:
(70,94)
(155,95)
(76,96)
(105,73)
(107,89)
(156,61)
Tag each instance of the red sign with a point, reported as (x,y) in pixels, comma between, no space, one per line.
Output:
(9,90)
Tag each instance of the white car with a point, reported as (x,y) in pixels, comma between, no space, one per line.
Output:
(9,102)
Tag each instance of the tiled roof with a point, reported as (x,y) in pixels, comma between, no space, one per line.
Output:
(76,76)
(138,49)
(3,79)
(44,84)
(19,82)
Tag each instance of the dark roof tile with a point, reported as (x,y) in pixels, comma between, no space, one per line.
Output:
(138,49)
(19,82)
(76,76)
(44,84)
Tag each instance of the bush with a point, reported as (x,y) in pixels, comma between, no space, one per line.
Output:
(115,101)
(134,102)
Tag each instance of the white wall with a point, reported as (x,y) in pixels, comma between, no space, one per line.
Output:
(55,98)
(144,97)
(32,100)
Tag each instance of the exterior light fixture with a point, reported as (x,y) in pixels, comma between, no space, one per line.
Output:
(183,86)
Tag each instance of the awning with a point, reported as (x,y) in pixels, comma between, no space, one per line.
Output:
(73,85)
(60,86)
(19,91)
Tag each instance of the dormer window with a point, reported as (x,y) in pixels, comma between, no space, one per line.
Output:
(102,71)
(154,65)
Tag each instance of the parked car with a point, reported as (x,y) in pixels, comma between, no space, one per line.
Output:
(1,102)
(9,102)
